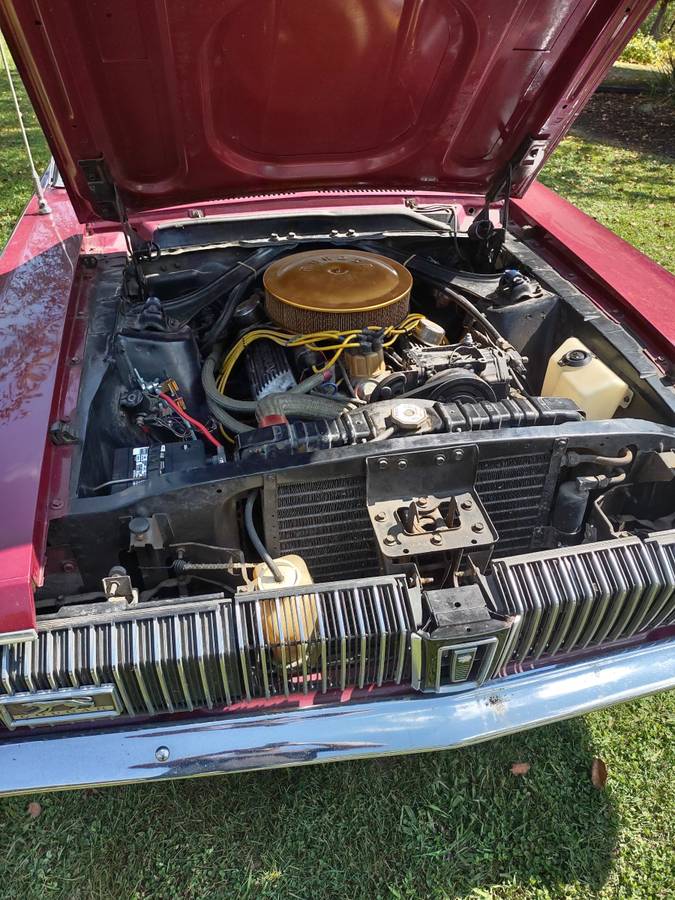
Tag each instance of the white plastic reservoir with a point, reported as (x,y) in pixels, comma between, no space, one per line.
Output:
(574,372)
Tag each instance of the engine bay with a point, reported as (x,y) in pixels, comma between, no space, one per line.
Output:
(297,414)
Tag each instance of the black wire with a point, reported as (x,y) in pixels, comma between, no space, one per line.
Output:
(432,274)
(217,331)
(187,306)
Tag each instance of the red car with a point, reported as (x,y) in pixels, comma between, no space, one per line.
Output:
(325,431)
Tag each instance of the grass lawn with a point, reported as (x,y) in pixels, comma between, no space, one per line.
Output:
(453,824)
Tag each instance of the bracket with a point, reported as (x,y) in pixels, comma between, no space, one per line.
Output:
(425,502)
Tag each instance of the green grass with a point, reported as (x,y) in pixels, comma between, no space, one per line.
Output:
(445,825)
(15,182)
(632,193)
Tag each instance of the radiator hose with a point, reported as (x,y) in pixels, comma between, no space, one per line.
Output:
(262,550)
(304,407)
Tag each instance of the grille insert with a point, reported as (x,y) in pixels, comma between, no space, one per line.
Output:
(585,596)
(212,651)
(161,660)
(357,636)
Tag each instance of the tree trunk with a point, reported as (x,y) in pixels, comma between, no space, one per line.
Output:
(657,24)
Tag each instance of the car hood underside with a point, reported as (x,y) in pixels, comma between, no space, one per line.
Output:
(152,104)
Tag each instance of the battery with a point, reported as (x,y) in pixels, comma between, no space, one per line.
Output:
(134,465)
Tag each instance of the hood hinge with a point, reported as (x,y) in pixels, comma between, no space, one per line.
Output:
(107,201)
(528,156)
(518,168)
(108,204)
(102,189)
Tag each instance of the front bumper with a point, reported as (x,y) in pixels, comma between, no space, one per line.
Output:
(212,746)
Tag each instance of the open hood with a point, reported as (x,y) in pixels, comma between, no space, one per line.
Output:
(153,103)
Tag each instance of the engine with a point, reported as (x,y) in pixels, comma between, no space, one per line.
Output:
(332,349)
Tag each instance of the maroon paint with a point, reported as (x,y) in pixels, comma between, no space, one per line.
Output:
(38,314)
(197,101)
(36,273)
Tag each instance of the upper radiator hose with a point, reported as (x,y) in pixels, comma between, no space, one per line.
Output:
(307,407)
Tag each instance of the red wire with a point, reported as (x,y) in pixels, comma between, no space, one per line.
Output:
(181,412)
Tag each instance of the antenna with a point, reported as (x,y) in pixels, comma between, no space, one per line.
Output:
(43,206)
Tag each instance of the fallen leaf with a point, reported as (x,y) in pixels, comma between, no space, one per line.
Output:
(34,810)
(520,768)
(598,773)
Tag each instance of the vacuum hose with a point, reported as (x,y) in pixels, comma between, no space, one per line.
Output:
(255,539)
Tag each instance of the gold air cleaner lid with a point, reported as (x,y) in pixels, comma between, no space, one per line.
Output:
(336,290)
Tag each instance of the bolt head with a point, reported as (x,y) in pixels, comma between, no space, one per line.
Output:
(390,539)
(382,463)
(380,517)
(466,504)
(139,526)
(439,460)
(56,504)
(436,539)
(162,754)
(457,455)
(478,527)
(402,464)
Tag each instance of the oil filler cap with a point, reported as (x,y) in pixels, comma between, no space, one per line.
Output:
(575,359)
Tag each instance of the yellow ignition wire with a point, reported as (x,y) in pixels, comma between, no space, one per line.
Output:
(335,342)
(321,341)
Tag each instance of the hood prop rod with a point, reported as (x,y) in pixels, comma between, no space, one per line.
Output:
(43,207)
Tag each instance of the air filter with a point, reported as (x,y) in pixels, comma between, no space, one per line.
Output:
(336,290)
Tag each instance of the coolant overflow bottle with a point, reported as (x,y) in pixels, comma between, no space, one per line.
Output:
(576,373)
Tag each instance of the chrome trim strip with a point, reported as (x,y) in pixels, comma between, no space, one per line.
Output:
(180,660)
(209,746)
(16,637)
(221,654)
(281,640)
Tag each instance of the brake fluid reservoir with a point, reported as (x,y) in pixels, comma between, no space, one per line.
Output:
(574,372)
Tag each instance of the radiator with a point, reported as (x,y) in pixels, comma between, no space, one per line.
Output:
(326,521)
(517,492)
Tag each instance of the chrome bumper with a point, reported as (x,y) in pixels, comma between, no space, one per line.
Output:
(211,746)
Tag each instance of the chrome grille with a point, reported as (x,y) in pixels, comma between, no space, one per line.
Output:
(336,637)
(211,651)
(165,659)
(585,596)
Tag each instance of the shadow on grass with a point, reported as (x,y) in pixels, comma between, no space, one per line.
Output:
(435,824)
(644,123)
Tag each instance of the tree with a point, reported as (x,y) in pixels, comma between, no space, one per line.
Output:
(656,30)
